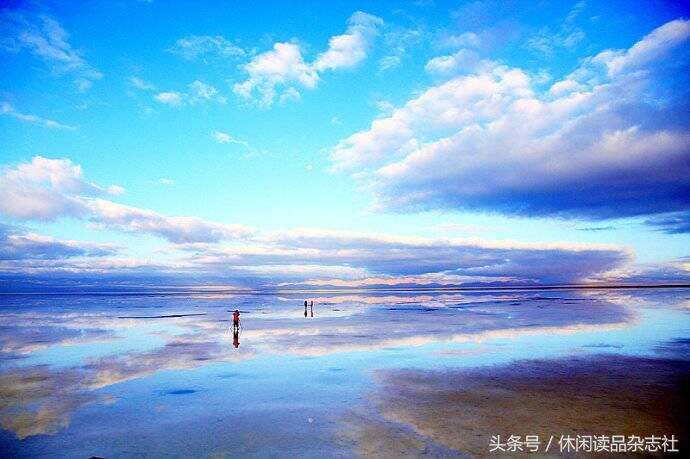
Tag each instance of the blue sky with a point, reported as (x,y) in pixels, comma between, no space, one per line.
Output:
(414,142)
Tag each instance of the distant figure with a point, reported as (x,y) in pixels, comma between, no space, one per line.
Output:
(236,320)
(305,308)
(311,307)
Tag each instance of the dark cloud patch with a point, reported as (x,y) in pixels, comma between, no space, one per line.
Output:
(676,223)
(16,244)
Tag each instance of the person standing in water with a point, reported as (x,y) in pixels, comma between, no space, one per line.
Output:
(311,307)
(236,328)
(305,308)
(236,320)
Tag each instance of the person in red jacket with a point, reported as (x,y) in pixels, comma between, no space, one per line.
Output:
(236,319)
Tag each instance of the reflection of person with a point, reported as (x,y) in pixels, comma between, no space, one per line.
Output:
(305,308)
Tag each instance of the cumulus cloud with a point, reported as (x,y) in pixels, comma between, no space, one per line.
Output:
(612,144)
(283,65)
(351,48)
(45,38)
(8,110)
(205,46)
(654,46)
(465,59)
(45,189)
(283,68)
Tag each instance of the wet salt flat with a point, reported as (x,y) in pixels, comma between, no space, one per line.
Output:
(370,374)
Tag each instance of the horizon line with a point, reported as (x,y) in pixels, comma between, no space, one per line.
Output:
(186,290)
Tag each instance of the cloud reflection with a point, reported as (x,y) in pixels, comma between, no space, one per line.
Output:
(40,399)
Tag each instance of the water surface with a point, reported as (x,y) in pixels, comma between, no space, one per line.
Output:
(119,376)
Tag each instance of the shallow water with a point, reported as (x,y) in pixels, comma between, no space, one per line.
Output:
(119,376)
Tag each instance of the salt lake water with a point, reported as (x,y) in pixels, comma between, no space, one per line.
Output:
(114,375)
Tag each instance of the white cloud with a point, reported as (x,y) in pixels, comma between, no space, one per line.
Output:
(141,84)
(169,98)
(396,256)
(383,106)
(567,36)
(351,48)
(166,181)
(45,189)
(196,46)
(464,59)
(599,145)
(7,109)
(115,190)
(399,41)
(389,62)
(652,47)
(199,92)
(563,87)
(45,38)
(240,252)
(545,42)
(202,92)
(463,40)
(463,228)
(284,65)
(290,95)
(179,230)
(224,137)
(440,108)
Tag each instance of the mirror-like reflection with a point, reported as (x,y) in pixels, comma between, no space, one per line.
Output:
(79,368)
(236,329)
